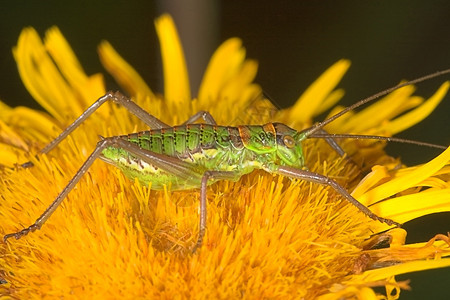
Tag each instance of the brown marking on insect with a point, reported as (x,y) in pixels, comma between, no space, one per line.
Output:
(269,128)
(245,134)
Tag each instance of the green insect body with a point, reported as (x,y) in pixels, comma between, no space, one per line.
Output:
(209,147)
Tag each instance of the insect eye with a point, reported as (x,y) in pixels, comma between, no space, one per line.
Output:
(289,141)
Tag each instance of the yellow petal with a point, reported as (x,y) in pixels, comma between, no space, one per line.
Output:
(311,99)
(53,75)
(413,117)
(5,110)
(349,292)
(123,73)
(413,266)
(378,173)
(407,180)
(383,109)
(176,81)
(70,69)
(409,207)
(38,126)
(223,65)
(242,79)
(85,89)
(10,137)
(40,76)
(330,101)
(11,155)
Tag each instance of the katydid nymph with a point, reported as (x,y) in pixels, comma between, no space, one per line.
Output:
(194,155)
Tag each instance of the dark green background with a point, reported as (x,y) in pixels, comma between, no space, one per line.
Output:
(293,41)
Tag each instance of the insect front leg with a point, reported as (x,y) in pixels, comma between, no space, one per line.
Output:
(169,164)
(333,144)
(117,98)
(324,180)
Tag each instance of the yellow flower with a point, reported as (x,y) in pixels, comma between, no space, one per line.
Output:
(267,237)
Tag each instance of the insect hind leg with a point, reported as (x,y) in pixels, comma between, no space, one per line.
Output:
(117,98)
(54,205)
(169,164)
(203,114)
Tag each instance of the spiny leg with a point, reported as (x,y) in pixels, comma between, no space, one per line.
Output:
(169,164)
(321,179)
(117,98)
(217,175)
(127,103)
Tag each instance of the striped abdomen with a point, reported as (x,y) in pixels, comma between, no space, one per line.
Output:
(186,140)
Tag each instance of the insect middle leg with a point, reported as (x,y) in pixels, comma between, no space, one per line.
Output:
(217,175)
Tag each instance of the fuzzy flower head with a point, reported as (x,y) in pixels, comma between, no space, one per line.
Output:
(267,236)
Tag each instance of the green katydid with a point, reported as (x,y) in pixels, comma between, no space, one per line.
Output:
(196,155)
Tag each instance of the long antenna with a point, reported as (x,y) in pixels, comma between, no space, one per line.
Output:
(376,137)
(308,132)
